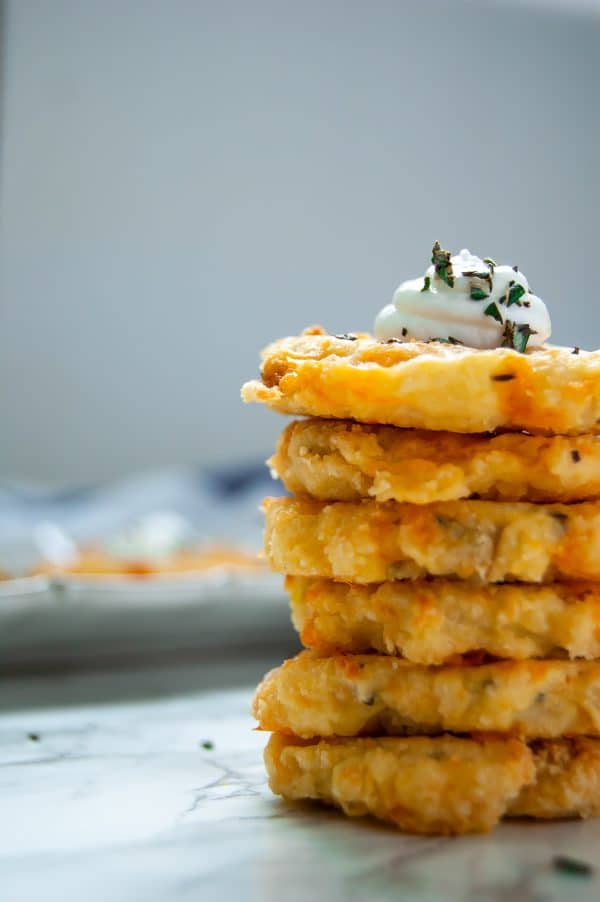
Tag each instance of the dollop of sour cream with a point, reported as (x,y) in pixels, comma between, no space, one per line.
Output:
(484,307)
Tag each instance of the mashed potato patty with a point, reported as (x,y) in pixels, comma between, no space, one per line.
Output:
(345,461)
(354,695)
(430,385)
(430,622)
(441,785)
(488,541)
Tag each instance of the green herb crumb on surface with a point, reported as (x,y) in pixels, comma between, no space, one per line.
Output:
(207,745)
(426,284)
(567,865)
(33,737)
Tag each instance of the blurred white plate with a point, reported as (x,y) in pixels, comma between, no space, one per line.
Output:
(75,619)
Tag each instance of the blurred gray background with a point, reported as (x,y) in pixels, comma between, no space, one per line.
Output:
(183,181)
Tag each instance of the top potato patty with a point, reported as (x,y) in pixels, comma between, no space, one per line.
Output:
(430,385)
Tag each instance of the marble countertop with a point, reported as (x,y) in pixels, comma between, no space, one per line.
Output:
(107,794)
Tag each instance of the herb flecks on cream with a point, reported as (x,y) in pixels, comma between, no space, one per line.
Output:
(463,299)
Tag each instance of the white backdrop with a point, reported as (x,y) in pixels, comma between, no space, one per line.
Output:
(182,181)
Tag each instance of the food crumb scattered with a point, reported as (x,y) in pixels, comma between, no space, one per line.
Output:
(567,865)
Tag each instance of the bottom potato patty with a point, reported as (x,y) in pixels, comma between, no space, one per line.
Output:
(442,785)
(353,695)
(430,622)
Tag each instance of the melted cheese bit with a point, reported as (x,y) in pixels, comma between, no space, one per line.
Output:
(429,308)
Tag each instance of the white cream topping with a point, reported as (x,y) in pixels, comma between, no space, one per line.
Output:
(451,312)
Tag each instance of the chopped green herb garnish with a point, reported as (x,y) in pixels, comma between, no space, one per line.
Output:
(513,295)
(427,284)
(404,332)
(472,273)
(208,745)
(492,310)
(572,866)
(517,335)
(449,341)
(443,266)
(490,262)
(478,291)
(33,737)
(516,268)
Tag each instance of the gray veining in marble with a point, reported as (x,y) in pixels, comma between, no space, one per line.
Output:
(117,801)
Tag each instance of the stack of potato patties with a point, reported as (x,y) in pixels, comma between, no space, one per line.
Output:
(442,553)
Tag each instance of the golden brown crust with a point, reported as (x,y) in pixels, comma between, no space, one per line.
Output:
(345,461)
(567,780)
(440,785)
(430,385)
(368,542)
(430,622)
(421,785)
(353,695)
